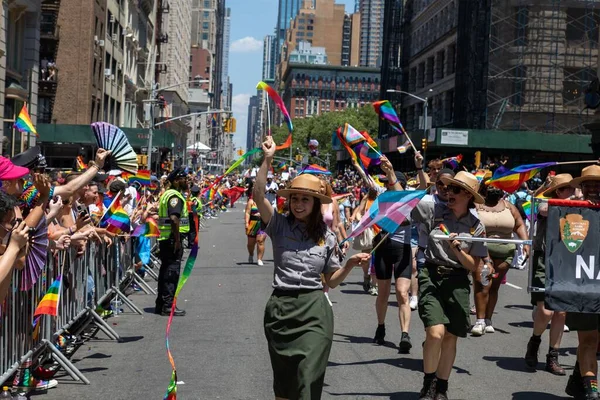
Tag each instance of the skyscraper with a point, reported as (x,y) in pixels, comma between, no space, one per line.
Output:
(269,50)
(371,32)
(253,121)
(225,71)
(288,9)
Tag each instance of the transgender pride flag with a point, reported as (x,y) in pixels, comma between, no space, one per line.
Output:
(389,210)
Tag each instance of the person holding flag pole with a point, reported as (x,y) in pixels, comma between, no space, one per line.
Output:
(444,286)
(298,321)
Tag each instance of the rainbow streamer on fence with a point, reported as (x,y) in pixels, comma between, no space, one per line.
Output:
(171,393)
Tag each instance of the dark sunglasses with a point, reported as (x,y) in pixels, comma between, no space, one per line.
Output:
(455,189)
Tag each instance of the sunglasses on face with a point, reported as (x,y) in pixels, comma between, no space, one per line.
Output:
(455,189)
(563,189)
(590,184)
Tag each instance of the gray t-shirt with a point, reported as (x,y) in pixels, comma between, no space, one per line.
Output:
(299,261)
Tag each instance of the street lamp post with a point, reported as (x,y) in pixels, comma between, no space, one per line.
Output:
(425,106)
(152,95)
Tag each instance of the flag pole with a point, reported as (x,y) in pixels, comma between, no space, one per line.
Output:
(380,243)
(577,162)
(268,118)
(373,148)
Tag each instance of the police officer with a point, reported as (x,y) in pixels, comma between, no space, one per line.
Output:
(173,224)
(195,208)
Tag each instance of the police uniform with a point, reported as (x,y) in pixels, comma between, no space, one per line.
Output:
(171,203)
(444,285)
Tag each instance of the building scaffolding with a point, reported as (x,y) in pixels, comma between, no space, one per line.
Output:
(542,56)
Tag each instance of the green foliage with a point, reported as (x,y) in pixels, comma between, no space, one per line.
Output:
(323,127)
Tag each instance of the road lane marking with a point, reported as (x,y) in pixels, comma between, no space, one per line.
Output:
(513,286)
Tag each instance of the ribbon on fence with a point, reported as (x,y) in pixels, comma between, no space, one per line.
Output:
(189,265)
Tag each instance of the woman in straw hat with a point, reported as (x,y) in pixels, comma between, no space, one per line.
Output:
(501,220)
(443,282)
(584,381)
(559,187)
(298,320)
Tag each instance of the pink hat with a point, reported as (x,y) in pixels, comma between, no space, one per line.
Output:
(8,170)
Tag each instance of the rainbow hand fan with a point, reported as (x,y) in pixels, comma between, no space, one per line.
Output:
(37,254)
(122,156)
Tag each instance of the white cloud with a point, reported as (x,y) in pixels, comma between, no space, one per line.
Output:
(240,103)
(246,45)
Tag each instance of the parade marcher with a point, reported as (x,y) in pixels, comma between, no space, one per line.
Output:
(393,258)
(255,233)
(501,219)
(173,223)
(298,322)
(587,325)
(194,207)
(559,188)
(444,285)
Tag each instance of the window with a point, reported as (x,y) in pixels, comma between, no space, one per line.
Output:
(207,4)
(205,25)
(205,36)
(206,14)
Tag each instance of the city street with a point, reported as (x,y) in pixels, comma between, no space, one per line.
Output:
(221,352)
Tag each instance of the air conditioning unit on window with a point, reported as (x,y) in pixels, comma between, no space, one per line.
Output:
(115,37)
(107,72)
(112,19)
(101,43)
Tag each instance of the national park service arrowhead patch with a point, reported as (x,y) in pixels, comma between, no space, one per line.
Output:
(573,231)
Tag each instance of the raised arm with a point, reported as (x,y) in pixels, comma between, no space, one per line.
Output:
(79,182)
(388,168)
(263,205)
(423,179)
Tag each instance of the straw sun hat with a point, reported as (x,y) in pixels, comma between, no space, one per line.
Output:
(305,184)
(466,181)
(557,182)
(591,173)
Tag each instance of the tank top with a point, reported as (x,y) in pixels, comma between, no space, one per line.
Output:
(498,224)
(328,216)
(254,213)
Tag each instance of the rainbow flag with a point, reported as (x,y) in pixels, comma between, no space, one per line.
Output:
(142,177)
(480,175)
(315,169)
(510,180)
(115,218)
(369,154)
(23,122)
(389,210)
(453,162)
(282,166)
(386,111)
(80,164)
(49,303)
(147,229)
(404,148)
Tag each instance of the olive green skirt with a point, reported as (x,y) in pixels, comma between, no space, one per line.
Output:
(299,332)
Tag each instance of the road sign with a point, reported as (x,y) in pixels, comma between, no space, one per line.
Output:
(155,149)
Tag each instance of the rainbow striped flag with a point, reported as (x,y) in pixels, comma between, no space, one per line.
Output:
(352,136)
(80,164)
(23,122)
(453,161)
(315,170)
(142,177)
(147,229)
(115,218)
(49,303)
(510,180)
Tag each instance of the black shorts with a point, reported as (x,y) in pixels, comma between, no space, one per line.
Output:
(393,257)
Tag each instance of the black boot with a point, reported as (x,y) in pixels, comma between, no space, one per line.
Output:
(531,357)
(552,364)
(575,386)
(428,390)
(405,345)
(379,335)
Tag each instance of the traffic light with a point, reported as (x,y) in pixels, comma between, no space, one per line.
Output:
(225,125)
(232,123)
(424,144)
(240,152)
(299,157)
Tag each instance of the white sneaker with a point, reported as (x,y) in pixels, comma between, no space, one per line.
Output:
(45,385)
(489,328)
(260,263)
(478,329)
(327,297)
(566,329)
(250,259)
(413,302)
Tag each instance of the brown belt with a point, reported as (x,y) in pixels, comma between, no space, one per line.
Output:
(443,270)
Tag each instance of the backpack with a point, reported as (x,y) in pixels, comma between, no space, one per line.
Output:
(519,204)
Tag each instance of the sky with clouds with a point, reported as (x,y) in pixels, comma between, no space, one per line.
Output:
(251,21)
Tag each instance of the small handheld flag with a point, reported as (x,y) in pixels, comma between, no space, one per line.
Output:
(23,122)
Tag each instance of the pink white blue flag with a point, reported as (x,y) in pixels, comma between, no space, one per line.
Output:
(389,211)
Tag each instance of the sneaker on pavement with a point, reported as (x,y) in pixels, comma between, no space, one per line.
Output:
(478,329)
(45,385)
(380,335)
(373,290)
(405,345)
(488,326)
(250,259)
(566,329)
(413,302)
(260,263)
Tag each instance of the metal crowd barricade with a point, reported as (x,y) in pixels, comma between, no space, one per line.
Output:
(89,282)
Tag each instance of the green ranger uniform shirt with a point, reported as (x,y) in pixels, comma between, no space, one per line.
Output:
(172,203)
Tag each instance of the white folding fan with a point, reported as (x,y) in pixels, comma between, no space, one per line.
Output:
(110,137)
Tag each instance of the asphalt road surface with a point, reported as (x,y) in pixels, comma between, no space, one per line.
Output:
(221,353)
